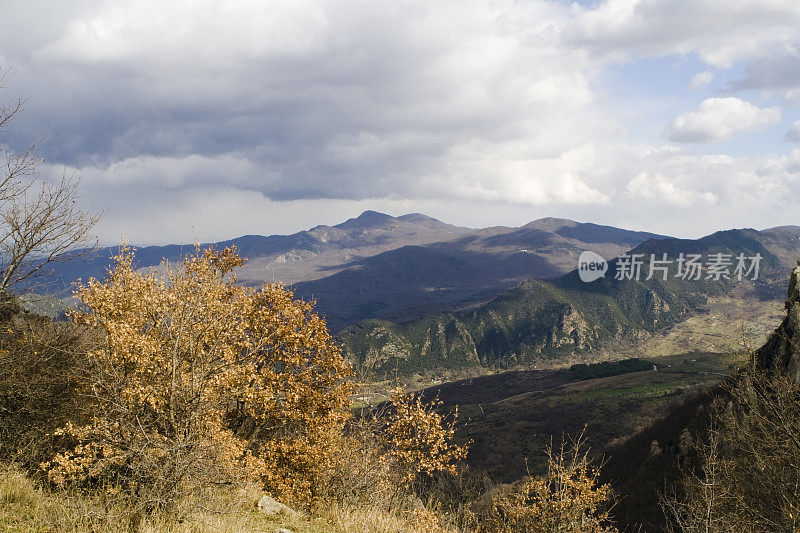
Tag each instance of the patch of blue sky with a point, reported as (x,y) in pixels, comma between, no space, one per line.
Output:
(666,76)
(647,94)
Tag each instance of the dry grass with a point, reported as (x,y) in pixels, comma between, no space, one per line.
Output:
(24,507)
(720,330)
(373,520)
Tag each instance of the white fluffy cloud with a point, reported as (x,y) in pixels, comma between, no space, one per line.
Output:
(658,187)
(719,119)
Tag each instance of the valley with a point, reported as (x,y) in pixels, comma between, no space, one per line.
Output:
(512,417)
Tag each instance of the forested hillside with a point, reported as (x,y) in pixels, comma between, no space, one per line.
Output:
(540,321)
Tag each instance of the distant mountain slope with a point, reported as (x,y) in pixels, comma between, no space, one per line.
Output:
(632,467)
(538,320)
(305,255)
(416,281)
(379,266)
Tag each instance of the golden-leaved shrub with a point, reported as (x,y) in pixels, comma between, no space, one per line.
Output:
(420,442)
(569,498)
(199,380)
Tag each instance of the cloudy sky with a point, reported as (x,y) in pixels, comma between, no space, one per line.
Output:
(213,119)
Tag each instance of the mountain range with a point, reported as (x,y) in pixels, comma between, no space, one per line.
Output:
(410,292)
(379,266)
(541,320)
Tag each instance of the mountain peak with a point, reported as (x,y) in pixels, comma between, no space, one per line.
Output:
(551,223)
(373,215)
(417,217)
(367,219)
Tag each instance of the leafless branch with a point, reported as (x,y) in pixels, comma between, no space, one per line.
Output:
(41,222)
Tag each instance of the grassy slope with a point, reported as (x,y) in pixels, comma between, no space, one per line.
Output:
(725,323)
(26,508)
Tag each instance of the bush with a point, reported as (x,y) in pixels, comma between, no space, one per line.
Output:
(420,442)
(393,453)
(42,366)
(568,498)
(197,380)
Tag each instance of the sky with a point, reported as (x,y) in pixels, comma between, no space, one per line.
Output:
(205,120)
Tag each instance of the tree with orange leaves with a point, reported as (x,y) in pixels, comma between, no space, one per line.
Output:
(196,379)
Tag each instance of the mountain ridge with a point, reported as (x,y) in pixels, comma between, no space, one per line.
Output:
(539,320)
(379,266)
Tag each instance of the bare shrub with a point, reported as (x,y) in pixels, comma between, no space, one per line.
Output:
(42,364)
(746,476)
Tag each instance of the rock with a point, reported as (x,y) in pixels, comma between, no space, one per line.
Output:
(655,449)
(271,507)
(283,530)
(781,352)
(414,503)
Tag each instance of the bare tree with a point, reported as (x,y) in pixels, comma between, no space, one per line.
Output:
(747,476)
(40,220)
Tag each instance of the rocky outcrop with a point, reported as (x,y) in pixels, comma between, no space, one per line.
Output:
(571,329)
(269,506)
(782,350)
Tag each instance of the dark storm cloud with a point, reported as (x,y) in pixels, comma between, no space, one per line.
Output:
(266,103)
(333,99)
